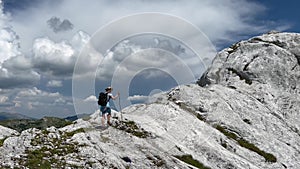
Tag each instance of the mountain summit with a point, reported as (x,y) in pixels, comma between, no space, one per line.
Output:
(242,113)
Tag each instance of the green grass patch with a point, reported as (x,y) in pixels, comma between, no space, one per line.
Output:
(268,157)
(35,159)
(226,132)
(132,128)
(190,160)
(2,141)
(244,143)
(70,134)
(131,124)
(186,108)
(192,111)
(200,117)
(49,149)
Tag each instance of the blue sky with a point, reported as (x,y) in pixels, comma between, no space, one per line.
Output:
(42,40)
(284,12)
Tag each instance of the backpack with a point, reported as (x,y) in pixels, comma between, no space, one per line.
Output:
(102,100)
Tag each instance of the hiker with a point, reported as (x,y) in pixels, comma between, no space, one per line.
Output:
(104,104)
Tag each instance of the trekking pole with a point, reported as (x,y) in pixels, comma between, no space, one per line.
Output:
(120,107)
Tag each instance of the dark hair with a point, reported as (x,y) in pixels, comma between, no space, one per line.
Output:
(108,88)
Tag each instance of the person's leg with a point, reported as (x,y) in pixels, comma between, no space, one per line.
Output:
(108,115)
(103,110)
(103,120)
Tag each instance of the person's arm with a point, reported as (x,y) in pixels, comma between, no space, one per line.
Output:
(116,96)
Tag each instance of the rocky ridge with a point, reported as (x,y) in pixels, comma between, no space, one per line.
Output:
(243,113)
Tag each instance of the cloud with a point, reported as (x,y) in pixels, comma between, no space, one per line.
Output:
(114,57)
(138,98)
(56,54)
(3,99)
(153,73)
(130,58)
(79,40)
(48,58)
(167,45)
(32,52)
(36,92)
(16,72)
(38,103)
(91,98)
(54,83)
(6,99)
(15,68)
(18,79)
(9,42)
(53,58)
(59,26)
(217,19)
(156,58)
(57,58)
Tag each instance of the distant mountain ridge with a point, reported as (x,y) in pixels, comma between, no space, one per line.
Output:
(76,117)
(43,123)
(20,122)
(9,116)
(13,116)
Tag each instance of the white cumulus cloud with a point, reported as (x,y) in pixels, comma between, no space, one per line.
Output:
(13,78)
(9,43)
(3,99)
(54,83)
(53,58)
(36,92)
(15,68)
(38,103)
(138,98)
(91,98)
(217,19)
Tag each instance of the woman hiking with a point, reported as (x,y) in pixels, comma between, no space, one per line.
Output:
(105,108)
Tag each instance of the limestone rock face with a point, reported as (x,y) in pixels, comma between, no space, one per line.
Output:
(243,113)
(6,132)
